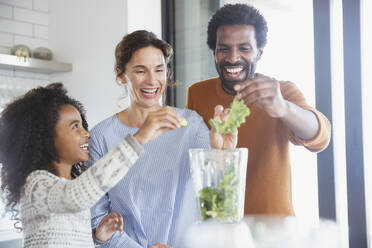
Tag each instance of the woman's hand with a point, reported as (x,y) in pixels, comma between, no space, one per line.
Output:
(157,123)
(108,226)
(221,140)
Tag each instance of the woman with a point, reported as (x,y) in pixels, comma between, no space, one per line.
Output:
(156,197)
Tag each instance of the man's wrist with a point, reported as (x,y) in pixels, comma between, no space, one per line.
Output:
(287,110)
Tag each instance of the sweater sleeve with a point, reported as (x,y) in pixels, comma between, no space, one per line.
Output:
(189,99)
(51,194)
(321,140)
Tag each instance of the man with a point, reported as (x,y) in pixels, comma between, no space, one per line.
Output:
(279,112)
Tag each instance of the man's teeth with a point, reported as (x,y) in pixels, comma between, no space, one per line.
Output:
(234,70)
(149,91)
(85,146)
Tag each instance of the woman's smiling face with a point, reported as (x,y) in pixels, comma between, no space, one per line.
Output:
(146,74)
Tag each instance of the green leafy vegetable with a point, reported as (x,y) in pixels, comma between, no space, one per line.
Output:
(238,112)
(220,202)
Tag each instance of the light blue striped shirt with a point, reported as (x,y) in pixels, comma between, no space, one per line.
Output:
(156,197)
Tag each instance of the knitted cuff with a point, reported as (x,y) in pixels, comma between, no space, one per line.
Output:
(137,147)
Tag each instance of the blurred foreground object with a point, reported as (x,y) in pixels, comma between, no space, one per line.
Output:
(207,234)
(264,231)
(280,231)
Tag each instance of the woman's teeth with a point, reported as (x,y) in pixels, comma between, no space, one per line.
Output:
(149,91)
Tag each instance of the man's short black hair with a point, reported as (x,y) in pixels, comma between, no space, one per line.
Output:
(233,14)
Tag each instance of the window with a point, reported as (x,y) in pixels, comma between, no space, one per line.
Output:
(338,112)
(194,60)
(366,25)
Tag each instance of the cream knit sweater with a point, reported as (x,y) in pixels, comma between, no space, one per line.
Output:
(55,212)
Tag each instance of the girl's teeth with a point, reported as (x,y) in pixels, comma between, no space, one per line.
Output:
(85,147)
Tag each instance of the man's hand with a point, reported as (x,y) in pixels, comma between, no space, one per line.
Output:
(159,245)
(222,141)
(265,93)
(108,226)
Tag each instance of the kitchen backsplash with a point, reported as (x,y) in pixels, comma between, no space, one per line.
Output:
(22,22)
(12,87)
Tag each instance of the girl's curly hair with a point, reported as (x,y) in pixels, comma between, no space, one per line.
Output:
(235,14)
(27,135)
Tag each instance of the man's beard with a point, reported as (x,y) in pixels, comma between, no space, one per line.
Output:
(228,85)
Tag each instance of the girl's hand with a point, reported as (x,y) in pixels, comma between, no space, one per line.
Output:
(220,140)
(157,123)
(108,226)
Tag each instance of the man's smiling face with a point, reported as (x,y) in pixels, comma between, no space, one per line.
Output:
(236,54)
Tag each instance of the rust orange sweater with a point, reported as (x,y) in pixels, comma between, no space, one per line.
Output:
(268,186)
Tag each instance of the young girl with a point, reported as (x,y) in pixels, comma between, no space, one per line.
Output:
(43,140)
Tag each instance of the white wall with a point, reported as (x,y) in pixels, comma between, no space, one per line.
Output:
(23,22)
(145,14)
(81,32)
(85,33)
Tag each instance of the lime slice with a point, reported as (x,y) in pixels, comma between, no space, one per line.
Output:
(183,122)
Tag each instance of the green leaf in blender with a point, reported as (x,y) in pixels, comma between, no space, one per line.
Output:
(220,202)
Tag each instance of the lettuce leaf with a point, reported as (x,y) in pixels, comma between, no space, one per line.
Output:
(237,114)
(220,202)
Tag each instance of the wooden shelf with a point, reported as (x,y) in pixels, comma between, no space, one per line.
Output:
(32,65)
